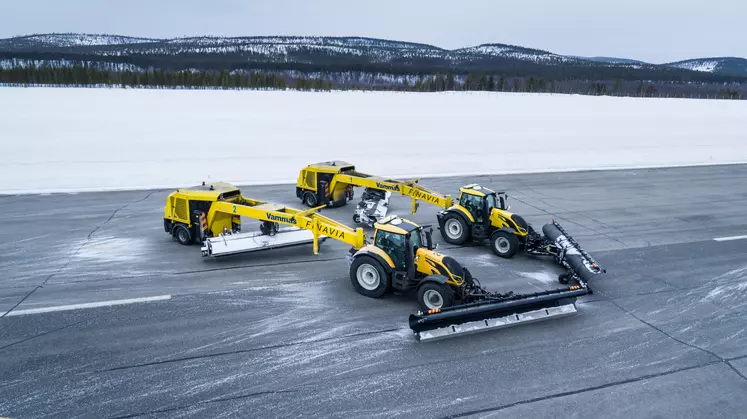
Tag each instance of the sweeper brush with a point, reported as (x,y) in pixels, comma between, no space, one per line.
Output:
(579,265)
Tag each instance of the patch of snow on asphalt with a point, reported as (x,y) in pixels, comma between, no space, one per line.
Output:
(115,249)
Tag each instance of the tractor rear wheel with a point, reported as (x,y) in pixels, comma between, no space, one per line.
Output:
(435,296)
(454,229)
(504,244)
(369,278)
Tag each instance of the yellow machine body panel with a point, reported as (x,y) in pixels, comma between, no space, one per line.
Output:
(429,262)
(463,211)
(308,220)
(377,251)
(500,219)
(177,208)
(343,175)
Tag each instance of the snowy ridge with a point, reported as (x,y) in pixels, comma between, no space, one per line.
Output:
(76,40)
(515,52)
(732,65)
(337,50)
(699,65)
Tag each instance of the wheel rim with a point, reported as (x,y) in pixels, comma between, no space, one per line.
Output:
(183,236)
(454,228)
(368,277)
(309,200)
(502,245)
(433,299)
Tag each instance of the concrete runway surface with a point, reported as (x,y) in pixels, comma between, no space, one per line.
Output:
(283,333)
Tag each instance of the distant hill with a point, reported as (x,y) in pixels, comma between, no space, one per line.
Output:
(312,53)
(719,65)
(613,60)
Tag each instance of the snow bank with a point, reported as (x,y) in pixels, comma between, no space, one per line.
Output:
(65,139)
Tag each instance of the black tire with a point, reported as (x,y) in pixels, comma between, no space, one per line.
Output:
(369,278)
(309,199)
(182,235)
(564,278)
(504,244)
(454,229)
(433,295)
(356,218)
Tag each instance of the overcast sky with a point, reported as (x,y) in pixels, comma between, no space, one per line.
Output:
(650,30)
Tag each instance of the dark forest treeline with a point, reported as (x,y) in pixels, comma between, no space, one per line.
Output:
(87,75)
(321,62)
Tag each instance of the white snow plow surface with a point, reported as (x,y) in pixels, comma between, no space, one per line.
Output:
(497,323)
(236,243)
(57,140)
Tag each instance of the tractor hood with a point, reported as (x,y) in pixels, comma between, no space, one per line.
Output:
(516,222)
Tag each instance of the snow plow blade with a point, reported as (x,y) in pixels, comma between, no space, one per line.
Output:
(573,257)
(236,243)
(495,314)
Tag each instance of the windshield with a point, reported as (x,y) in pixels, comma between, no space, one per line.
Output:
(416,240)
(492,202)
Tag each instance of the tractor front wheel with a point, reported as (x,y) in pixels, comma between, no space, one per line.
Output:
(504,244)
(435,296)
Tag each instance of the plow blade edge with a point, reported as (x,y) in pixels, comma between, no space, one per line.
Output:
(489,315)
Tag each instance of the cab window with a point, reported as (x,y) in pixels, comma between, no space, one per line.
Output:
(473,204)
(393,245)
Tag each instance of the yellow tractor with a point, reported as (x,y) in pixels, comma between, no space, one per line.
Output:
(402,258)
(482,214)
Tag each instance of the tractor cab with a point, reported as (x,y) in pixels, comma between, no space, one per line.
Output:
(400,240)
(480,201)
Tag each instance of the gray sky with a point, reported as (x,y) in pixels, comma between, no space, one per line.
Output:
(650,30)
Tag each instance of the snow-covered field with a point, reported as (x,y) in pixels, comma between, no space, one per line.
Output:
(66,139)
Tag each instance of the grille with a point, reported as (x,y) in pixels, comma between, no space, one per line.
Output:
(180,209)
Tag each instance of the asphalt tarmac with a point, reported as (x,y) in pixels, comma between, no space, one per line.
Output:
(284,334)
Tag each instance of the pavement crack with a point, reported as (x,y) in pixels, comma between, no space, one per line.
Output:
(570,221)
(71,257)
(43,334)
(579,391)
(204,402)
(242,351)
(658,329)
